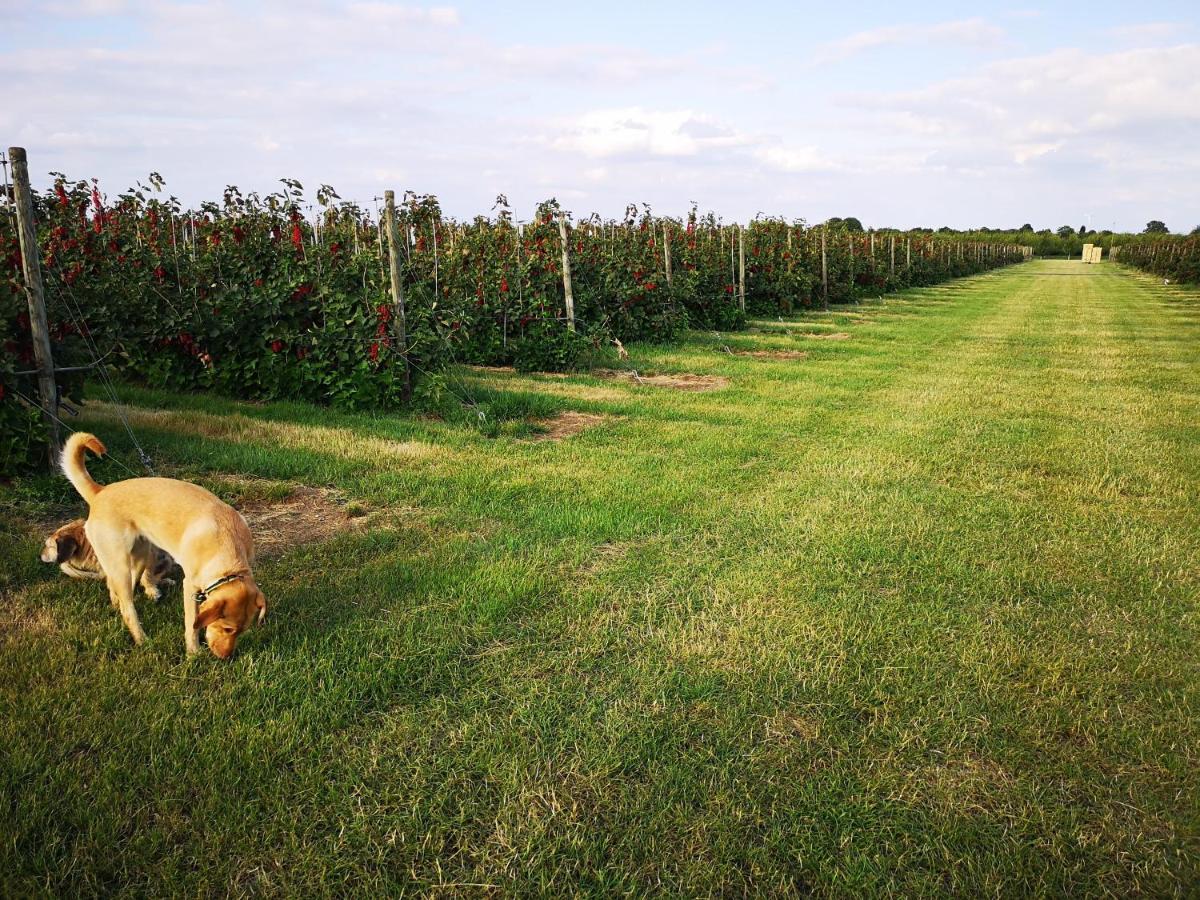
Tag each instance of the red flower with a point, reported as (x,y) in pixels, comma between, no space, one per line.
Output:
(159,273)
(335,248)
(239,234)
(504,285)
(61,193)
(374,351)
(729,288)
(276,346)
(258,282)
(297,237)
(650,285)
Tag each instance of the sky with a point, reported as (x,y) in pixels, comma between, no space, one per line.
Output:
(903,115)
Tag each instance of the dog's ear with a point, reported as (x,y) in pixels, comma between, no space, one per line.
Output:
(262,608)
(67,545)
(209,613)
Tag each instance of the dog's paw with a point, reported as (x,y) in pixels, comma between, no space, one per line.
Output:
(153,594)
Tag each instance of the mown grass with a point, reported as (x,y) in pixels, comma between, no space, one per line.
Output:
(915,614)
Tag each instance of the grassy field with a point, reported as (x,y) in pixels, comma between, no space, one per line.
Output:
(914,613)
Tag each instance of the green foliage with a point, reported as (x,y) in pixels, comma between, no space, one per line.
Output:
(252,298)
(548,346)
(1174,258)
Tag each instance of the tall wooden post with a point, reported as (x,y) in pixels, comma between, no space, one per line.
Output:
(850,260)
(393,239)
(742,267)
(892,259)
(566,273)
(667,253)
(908,254)
(35,297)
(824,272)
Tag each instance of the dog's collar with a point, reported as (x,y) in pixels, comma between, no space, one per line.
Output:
(202,594)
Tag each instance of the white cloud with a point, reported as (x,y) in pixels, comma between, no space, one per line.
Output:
(1146,100)
(1149,33)
(636,131)
(795,159)
(974,32)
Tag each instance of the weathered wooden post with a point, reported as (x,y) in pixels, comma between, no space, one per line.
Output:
(742,267)
(566,273)
(824,272)
(908,254)
(35,297)
(393,239)
(892,259)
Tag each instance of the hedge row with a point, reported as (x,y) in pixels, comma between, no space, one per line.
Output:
(1176,258)
(252,298)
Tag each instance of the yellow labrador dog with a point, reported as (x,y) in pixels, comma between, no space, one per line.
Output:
(208,538)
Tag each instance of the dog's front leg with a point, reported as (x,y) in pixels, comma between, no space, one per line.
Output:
(191,639)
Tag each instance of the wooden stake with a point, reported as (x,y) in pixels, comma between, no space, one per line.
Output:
(824,272)
(566,273)
(393,239)
(667,253)
(742,267)
(892,262)
(35,297)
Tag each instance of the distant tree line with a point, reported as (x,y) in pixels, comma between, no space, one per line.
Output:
(1065,241)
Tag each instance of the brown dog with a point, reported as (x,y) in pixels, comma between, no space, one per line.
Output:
(69,548)
(209,539)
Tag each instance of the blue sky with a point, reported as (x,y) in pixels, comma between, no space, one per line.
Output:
(918,114)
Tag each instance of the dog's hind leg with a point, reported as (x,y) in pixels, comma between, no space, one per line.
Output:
(112,551)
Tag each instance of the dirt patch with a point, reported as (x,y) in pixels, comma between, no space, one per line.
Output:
(680,381)
(305,516)
(567,424)
(683,381)
(769,354)
(832,336)
(26,622)
(786,728)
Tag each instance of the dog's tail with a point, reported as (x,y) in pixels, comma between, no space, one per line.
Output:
(73,466)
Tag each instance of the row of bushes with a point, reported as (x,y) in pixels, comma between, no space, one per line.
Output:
(251,298)
(1175,258)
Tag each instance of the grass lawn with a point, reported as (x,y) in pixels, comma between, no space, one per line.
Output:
(917,613)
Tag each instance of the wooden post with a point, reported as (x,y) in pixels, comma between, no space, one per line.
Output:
(892,260)
(824,272)
(667,253)
(789,250)
(850,261)
(742,267)
(908,254)
(393,239)
(566,273)
(35,297)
